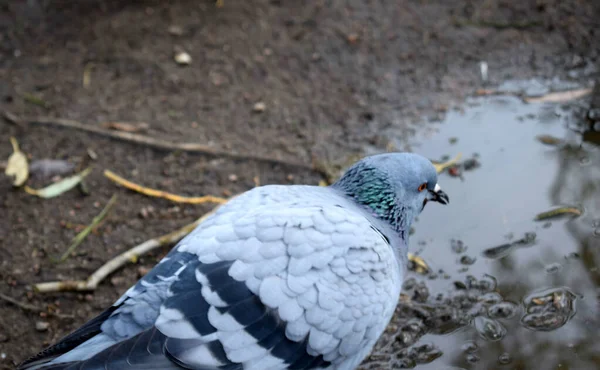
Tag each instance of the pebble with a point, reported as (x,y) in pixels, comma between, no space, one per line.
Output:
(42,325)
(183,58)
(259,107)
(175,30)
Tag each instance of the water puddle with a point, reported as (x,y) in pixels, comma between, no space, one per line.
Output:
(504,290)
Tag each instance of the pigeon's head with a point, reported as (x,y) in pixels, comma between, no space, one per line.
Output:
(395,186)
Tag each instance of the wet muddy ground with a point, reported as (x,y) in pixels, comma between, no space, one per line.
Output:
(336,79)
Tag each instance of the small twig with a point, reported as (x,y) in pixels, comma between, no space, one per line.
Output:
(497,25)
(31,308)
(153,142)
(440,167)
(559,97)
(162,194)
(79,238)
(111,266)
(24,306)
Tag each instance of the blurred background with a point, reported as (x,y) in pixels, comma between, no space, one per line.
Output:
(195,98)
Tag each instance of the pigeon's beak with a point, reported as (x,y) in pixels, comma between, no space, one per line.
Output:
(437,195)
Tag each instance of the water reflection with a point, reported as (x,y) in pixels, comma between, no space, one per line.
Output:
(544,311)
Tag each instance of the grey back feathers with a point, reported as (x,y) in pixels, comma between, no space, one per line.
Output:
(280,277)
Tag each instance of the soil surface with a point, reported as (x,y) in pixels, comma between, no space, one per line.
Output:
(329,76)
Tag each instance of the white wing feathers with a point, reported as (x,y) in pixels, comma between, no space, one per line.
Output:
(278,278)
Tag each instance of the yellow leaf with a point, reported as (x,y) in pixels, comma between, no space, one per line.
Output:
(17,166)
(59,187)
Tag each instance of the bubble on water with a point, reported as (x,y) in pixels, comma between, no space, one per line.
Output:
(457,246)
(597,232)
(426,353)
(421,354)
(491,298)
(502,310)
(549,309)
(472,358)
(488,283)
(596,223)
(489,329)
(553,268)
(466,260)
(584,160)
(504,359)
(469,347)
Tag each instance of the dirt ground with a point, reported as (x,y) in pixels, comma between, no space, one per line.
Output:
(332,76)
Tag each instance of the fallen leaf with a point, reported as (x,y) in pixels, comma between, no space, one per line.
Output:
(559,97)
(50,167)
(17,164)
(127,127)
(59,187)
(418,264)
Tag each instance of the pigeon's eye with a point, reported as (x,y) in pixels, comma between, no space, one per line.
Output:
(422,187)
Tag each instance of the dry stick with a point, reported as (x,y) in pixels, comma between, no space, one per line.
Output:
(29,307)
(111,266)
(153,142)
(162,194)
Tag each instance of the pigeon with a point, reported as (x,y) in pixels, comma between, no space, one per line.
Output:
(280,277)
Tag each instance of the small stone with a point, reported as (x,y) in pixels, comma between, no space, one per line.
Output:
(42,325)
(233,177)
(145,212)
(117,281)
(183,58)
(142,271)
(352,38)
(3,338)
(175,30)
(259,107)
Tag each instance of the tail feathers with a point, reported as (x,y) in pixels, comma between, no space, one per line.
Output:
(149,350)
(143,351)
